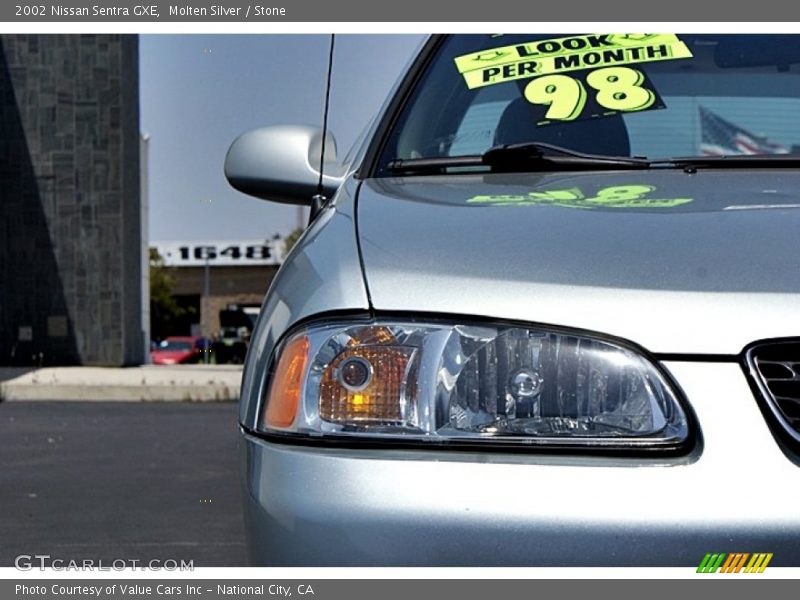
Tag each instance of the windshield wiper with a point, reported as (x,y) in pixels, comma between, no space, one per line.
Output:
(731,161)
(433,165)
(528,156)
(539,156)
(512,156)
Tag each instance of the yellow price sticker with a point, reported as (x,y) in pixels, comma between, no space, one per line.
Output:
(560,55)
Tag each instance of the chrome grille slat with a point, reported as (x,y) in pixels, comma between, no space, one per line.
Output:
(776,368)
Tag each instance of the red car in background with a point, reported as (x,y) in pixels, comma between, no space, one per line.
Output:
(176,350)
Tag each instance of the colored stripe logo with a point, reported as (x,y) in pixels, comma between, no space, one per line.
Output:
(734,562)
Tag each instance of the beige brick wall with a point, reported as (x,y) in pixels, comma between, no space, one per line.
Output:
(227,285)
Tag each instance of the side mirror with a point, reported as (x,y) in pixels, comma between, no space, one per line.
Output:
(282,163)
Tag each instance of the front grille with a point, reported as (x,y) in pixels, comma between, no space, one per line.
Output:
(776,368)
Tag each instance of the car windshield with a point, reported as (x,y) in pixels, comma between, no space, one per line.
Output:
(632,95)
(174,346)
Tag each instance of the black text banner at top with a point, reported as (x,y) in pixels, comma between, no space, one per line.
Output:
(409,11)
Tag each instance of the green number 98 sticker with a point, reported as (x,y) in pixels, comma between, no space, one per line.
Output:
(615,89)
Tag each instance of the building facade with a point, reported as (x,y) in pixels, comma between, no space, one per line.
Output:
(70,205)
(210,276)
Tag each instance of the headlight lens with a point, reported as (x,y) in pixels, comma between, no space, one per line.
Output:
(470,383)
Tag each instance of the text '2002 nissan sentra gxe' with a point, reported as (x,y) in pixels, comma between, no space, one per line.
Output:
(542,315)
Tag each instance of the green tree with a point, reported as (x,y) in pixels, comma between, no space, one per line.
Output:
(291,239)
(164,309)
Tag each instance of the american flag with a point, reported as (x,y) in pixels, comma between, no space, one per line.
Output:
(720,137)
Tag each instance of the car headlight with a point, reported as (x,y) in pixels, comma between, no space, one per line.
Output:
(460,383)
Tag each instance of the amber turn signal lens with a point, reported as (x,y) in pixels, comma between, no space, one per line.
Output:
(287,384)
(381,398)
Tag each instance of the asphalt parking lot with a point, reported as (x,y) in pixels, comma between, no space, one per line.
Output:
(120,480)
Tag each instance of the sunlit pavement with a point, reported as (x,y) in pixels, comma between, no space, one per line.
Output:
(154,383)
(103,480)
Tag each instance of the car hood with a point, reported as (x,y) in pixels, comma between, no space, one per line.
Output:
(701,263)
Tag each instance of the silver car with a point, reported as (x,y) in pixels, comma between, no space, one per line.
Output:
(547,313)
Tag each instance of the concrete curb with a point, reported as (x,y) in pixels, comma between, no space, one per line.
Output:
(180,383)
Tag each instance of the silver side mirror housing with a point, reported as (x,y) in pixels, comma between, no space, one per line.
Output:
(281,164)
